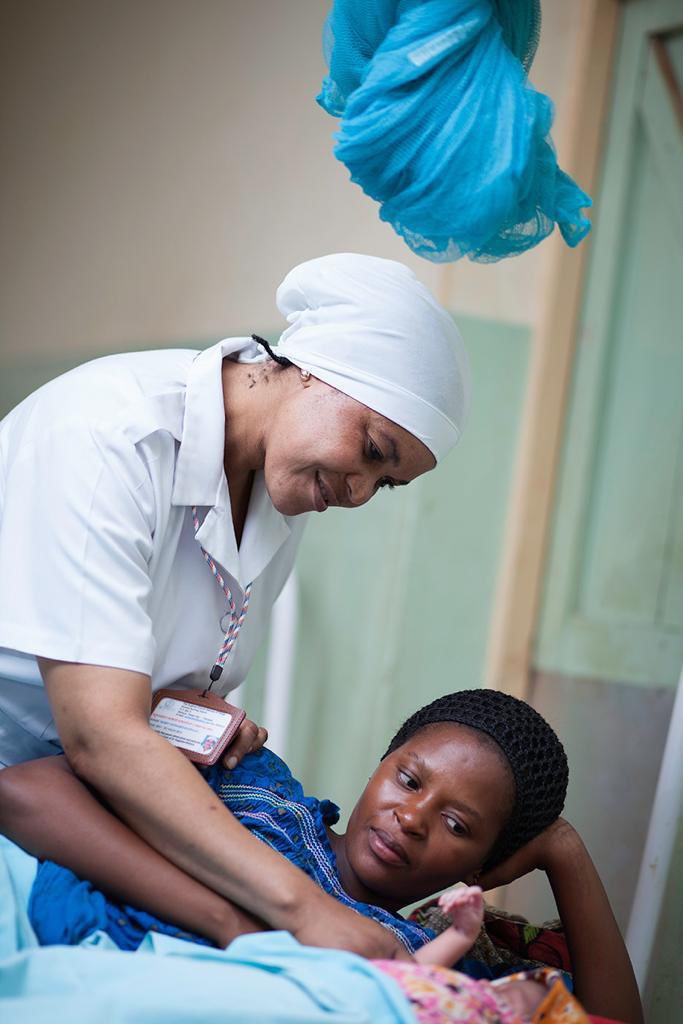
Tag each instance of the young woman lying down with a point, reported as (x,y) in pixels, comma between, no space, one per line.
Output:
(470,790)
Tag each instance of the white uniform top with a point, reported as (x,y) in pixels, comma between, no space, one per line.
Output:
(98,559)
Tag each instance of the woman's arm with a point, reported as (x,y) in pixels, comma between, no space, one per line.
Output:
(102,717)
(49,812)
(603,976)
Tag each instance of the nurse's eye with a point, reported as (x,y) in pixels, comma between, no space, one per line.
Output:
(407,780)
(454,826)
(373,451)
(385,481)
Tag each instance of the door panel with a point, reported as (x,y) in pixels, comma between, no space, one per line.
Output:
(613,599)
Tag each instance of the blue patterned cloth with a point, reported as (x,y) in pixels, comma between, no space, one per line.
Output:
(262,793)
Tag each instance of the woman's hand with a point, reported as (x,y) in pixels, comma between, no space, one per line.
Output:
(250,737)
(539,853)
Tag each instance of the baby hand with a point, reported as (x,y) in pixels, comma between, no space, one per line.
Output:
(465,907)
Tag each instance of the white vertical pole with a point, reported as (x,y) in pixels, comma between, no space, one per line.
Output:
(659,845)
(280,666)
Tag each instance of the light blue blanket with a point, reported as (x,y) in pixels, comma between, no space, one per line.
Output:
(268,978)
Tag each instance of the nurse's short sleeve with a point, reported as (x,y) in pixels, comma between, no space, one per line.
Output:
(76,540)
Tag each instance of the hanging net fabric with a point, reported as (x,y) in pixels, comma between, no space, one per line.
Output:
(441,126)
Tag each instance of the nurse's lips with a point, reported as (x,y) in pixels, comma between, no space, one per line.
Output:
(386,848)
(323,497)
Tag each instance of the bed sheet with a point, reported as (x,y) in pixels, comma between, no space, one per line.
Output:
(260,978)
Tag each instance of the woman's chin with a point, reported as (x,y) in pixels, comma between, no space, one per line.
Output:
(379,884)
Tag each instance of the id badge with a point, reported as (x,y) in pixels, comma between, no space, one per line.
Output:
(201,725)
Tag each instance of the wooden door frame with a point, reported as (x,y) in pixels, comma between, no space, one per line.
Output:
(530,508)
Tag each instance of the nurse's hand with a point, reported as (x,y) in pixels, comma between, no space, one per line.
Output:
(321,921)
(250,737)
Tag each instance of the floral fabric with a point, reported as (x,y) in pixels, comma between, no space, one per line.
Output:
(439,995)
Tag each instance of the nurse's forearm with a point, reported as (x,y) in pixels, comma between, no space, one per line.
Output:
(53,815)
(167,802)
(102,716)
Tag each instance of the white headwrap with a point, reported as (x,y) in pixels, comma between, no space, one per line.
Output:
(369,328)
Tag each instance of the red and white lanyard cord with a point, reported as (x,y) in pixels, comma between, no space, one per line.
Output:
(236,621)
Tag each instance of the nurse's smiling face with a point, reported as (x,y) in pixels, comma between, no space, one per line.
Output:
(324,449)
(429,817)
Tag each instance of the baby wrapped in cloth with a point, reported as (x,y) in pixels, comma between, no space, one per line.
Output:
(439,995)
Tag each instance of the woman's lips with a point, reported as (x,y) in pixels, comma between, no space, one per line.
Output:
(385,848)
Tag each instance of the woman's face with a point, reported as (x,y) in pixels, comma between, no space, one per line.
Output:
(323,448)
(428,817)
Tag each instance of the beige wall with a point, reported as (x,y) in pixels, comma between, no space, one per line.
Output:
(166,165)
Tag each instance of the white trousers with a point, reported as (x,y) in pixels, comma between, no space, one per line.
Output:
(17,745)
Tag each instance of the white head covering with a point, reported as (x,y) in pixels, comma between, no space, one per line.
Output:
(369,328)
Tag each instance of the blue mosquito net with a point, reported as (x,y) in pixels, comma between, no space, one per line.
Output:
(440,124)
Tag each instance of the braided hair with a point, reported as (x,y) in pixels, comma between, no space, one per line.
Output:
(282,361)
(531,748)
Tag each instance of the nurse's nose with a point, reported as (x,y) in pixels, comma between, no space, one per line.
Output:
(360,487)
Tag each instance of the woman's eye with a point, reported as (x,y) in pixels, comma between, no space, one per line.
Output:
(386,481)
(454,826)
(407,780)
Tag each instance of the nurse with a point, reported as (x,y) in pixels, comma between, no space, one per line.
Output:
(151,506)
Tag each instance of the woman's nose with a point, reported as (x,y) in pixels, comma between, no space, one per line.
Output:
(411,818)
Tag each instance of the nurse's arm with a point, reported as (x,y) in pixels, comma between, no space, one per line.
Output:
(52,814)
(101,715)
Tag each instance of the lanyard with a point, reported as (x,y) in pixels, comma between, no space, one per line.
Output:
(236,620)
